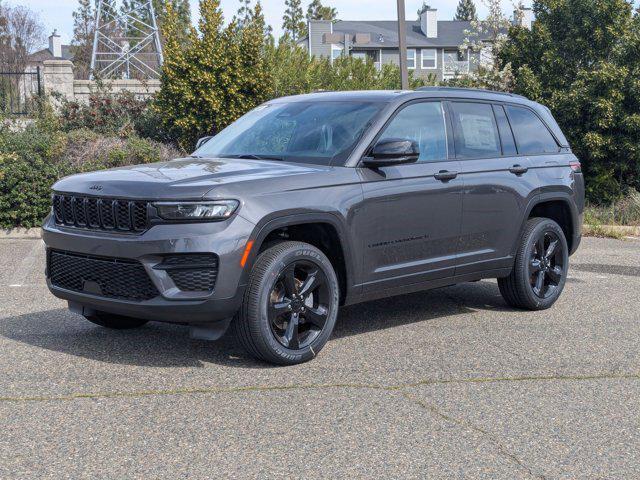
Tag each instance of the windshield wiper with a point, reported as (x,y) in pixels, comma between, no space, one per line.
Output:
(251,156)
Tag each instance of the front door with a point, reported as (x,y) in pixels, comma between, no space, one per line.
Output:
(409,222)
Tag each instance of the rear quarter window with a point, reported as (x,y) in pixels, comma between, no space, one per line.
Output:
(532,136)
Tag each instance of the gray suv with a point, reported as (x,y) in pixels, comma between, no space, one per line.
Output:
(310,202)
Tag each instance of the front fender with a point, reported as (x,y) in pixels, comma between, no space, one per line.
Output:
(274,221)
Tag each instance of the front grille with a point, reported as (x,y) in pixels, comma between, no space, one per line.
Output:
(100,213)
(192,272)
(108,277)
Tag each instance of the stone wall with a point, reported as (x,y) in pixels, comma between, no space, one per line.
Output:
(57,76)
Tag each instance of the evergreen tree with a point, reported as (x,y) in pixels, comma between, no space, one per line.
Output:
(466,11)
(317,11)
(215,76)
(83,33)
(108,11)
(293,21)
(423,9)
(182,10)
(580,59)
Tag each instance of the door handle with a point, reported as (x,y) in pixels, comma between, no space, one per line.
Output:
(518,169)
(445,175)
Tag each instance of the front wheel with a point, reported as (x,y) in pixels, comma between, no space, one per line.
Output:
(540,270)
(290,306)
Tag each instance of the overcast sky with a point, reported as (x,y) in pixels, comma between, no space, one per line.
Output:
(57,13)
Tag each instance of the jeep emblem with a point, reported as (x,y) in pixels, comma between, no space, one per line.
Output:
(95,187)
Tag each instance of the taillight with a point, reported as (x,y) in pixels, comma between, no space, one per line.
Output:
(576,166)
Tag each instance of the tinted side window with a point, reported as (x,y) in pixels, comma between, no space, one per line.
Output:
(475,130)
(506,135)
(423,123)
(532,136)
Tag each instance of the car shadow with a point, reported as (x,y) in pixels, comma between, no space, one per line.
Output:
(165,345)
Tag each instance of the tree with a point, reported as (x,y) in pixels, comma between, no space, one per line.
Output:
(423,9)
(466,11)
(248,15)
(294,72)
(21,33)
(581,59)
(216,75)
(293,21)
(317,11)
(183,15)
(108,11)
(485,38)
(83,32)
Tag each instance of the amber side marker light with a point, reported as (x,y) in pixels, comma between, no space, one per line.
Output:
(245,255)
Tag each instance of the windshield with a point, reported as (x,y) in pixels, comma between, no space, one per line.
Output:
(322,133)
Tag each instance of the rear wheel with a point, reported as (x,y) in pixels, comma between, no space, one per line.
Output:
(540,270)
(290,306)
(116,322)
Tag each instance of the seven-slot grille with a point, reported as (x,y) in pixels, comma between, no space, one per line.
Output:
(104,276)
(100,213)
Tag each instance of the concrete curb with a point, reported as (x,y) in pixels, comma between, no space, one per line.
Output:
(588,230)
(21,233)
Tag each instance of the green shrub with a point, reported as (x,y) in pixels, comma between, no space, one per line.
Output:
(34,142)
(25,189)
(107,113)
(31,161)
(625,211)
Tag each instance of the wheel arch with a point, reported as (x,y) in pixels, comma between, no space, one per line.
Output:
(559,207)
(323,230)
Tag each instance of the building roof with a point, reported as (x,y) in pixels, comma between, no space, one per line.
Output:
(451,33)
(45,54)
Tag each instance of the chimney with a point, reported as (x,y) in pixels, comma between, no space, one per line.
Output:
(55,44)
(523,18)
(429,22)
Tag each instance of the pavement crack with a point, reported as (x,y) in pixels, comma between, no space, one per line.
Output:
(314,386)
(491,438)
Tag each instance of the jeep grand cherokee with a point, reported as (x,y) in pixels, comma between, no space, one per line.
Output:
(310,202)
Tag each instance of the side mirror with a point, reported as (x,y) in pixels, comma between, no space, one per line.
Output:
(202,141)
(393,151)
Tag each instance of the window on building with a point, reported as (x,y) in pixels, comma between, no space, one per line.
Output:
(532,136)
(360,55)
(411,59)
(423,123)
(429,58)
(336,52)
(475,130)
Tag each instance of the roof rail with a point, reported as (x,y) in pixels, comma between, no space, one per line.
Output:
(463,89)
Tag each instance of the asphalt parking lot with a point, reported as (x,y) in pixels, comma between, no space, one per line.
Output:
(445,384)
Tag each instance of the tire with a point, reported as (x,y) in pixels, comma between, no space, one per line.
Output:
(523,288)
(290,305)
(116,322)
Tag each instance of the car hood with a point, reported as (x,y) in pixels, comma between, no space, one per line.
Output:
(185,178)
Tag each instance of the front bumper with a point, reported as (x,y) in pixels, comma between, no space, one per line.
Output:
(226,239)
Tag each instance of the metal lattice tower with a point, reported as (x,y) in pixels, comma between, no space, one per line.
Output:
(126,43)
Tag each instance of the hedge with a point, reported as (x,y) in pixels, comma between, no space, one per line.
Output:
(31,161)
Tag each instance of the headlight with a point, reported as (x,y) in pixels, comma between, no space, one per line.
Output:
(216,210)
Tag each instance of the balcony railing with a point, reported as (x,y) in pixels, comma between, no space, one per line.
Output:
(451,67)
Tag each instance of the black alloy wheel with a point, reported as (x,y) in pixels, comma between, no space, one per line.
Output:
(540,267)
(546,264)
(290,305)
(298,307)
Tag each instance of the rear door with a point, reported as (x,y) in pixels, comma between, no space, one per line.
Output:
(497,185)
(409,222)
